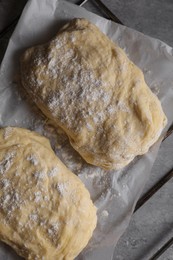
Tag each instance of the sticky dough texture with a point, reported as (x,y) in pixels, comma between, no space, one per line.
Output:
(45,210)
(86,84)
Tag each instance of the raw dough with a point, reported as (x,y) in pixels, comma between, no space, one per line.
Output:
(45,210)
(86,84)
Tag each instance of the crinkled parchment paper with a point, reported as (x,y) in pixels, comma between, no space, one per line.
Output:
(114,193)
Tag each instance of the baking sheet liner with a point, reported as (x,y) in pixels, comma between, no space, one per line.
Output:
(114,193)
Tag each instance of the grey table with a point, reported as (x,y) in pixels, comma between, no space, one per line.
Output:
(152,225)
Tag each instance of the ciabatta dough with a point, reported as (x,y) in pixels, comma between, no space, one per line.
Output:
(45,210)
(86,84)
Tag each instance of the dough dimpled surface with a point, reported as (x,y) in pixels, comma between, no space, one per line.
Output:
(87,85)
(45,210)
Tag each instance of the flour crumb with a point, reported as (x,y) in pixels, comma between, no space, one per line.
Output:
(7,162)
(33,217)
(104,214)
(62,188)
(155,89)
(38,196)
(53,172)
(5,183)
(33,159)
(7,132)
(40,175)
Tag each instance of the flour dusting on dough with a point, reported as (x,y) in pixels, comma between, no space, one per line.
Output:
(93,91)
(7,132)
(7,162)
(38,196)
(33,159)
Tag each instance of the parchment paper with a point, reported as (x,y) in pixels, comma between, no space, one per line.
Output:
(114,193)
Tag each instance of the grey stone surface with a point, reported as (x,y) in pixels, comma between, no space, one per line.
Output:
(151,225)
(149,229)
(152,17)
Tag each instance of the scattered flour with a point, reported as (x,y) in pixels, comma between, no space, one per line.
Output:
(33,159)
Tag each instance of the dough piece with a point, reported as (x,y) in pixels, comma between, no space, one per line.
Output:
(86,84)
(45,210)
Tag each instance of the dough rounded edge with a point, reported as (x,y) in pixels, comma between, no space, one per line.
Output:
(11,141)
(98,161)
